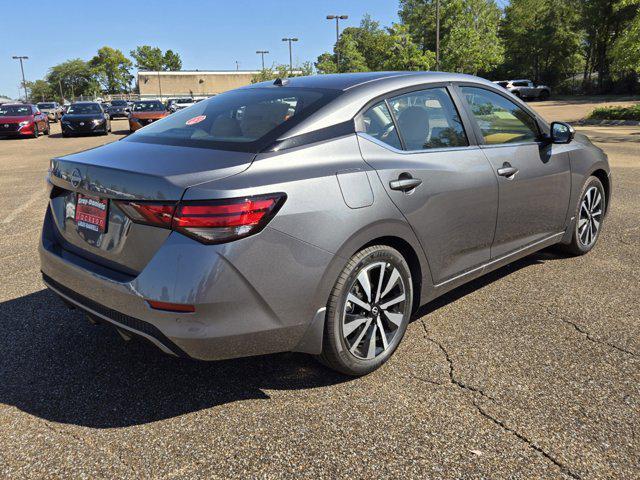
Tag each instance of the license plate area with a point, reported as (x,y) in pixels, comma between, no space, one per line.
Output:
(91,214)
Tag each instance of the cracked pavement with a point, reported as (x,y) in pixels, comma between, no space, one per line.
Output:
(532,371)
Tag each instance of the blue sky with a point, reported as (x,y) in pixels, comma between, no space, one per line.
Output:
(208,34)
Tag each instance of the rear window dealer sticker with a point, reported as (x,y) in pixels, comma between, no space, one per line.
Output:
(194,120)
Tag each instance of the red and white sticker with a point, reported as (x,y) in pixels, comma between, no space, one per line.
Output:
(194,120)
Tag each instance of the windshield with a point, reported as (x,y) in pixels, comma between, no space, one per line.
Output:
(119,103)
(240,119)
(46,105)
(15,110)
(148,107)
(84,108)
(184,100)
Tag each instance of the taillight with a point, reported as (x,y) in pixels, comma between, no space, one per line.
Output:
(208,221)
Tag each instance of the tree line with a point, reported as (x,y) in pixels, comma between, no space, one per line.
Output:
(108,71)
(591,44)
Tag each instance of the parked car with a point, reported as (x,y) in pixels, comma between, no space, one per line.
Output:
(525,89)
(146,112)
(180,103)
(84,118)
(22,120)
(119,109)
(314,214)
(53,110)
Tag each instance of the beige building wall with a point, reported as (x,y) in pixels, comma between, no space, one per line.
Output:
(191,84)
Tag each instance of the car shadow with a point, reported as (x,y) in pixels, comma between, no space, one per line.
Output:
(57,366)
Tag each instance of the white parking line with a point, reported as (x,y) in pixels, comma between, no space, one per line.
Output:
(17,211)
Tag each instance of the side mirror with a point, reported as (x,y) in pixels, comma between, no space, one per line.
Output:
(561,132)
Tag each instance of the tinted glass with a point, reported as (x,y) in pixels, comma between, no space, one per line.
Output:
(46,105)
(239,119)
(15,110)
(119,103)
(84,108)
(148,107)
(500,120)
(379,124)
(428,119)
(520,84)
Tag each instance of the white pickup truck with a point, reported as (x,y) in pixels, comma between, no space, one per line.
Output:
(525,89)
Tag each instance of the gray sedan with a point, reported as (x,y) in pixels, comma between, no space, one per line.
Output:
(314,214)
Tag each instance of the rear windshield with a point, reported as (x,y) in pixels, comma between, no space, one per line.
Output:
(148,107)
(119,103)
(82,108)
(247,119)
(14,110)
(46,105)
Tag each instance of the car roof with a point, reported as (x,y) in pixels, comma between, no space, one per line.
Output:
(360,88)
(86,103)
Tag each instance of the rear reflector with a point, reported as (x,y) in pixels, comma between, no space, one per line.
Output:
(208,221)
(172,307)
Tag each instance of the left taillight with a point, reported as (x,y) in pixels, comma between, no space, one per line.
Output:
(208,221)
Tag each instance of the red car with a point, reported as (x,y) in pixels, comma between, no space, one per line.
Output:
(22,120)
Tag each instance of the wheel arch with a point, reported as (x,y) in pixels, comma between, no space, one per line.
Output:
(602,175)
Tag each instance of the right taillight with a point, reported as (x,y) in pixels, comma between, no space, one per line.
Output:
(208,221)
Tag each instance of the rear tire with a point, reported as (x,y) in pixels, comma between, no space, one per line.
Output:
(368,311)
(589,214)
(544,95)
(36,133)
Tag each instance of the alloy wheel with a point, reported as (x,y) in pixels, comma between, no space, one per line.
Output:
(590,216)
(374,310)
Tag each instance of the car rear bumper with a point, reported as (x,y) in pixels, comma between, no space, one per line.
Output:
(241,308)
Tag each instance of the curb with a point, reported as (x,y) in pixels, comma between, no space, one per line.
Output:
(593,121)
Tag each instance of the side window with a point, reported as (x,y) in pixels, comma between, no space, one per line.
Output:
(428,119)
(379,124)
(500,120)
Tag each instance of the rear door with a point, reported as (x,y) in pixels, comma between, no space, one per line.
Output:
(533,175)
(435,174)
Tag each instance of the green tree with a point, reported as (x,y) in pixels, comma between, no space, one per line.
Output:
(152,58)
(39,91)
(625,52)
(112,69)
(469,41)
(542,39)
(75,76)
(405,54)
(282,71)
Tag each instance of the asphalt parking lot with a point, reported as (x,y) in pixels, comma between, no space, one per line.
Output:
(532,371)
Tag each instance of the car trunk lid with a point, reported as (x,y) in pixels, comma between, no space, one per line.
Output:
(129,171)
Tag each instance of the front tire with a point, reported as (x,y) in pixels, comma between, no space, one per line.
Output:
(368,311)
(589,215)
(36,133)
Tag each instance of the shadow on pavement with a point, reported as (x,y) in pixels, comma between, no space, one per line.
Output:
(57,366)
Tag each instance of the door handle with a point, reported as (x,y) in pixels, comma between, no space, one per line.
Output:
(404,183)
(507,170)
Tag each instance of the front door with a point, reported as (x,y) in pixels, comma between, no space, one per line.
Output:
(444,186)
(534,176)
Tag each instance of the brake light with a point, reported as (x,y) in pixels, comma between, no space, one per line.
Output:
(171,307)
(208,221)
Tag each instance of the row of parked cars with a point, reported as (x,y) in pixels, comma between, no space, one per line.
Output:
(29,120)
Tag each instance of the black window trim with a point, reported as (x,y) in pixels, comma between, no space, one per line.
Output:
(507,96)
(467,124)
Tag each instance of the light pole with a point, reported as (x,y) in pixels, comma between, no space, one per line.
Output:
(262,53)
(337,18)
(437,34)
(290,39)
(24,82)
(237,65)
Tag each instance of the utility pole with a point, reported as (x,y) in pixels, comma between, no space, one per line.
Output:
(290,39)
(159,85)
(262,53)
(437,34)
(61,95)
(24,82)
(237,65)
(337,18)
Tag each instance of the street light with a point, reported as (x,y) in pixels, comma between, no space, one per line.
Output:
(337,18)
(262,53)
(289,39)
(437,34)
(24,82)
